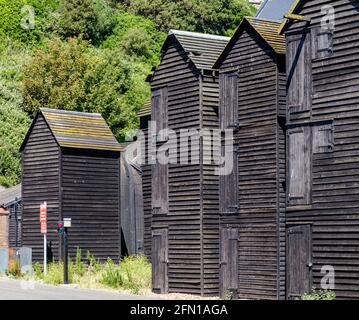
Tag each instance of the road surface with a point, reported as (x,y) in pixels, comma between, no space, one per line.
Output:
(25,290)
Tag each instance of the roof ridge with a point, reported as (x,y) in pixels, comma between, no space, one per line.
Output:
(263,19)
(69,112)
(198,35)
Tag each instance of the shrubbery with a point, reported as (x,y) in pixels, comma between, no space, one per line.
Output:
(88,55)
(319,295)
(132,274)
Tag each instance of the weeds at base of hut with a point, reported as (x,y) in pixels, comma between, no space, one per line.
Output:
(319,295)
(132,274)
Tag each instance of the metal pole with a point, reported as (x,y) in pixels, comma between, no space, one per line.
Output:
(66,280)
(45,254)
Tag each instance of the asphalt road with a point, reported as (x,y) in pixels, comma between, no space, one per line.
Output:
(25,290)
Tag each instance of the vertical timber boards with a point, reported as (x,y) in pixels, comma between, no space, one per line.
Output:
(334,209)
(260,139)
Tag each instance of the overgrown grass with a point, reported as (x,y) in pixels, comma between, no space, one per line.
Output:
(131,274)
(319,295)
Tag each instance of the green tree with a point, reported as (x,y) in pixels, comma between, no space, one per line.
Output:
(137,36)
(211,16)
(22,20)
(92,19)
(14,122)
(75,76)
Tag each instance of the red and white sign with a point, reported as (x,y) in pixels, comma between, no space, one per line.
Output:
(43,218)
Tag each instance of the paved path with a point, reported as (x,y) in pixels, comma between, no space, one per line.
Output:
(25,290)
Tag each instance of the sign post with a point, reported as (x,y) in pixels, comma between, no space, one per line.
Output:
(66,225)
(43,229)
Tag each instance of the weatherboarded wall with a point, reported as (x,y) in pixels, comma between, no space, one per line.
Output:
(90,197)
(40,182)
(253,224)
(71,161)
(186,224)
(332,206)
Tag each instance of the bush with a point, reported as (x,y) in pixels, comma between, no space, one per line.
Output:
(14,123)
(112,276)
(15,23)
(93,20)
(14,268)
(74,76)
(211,16)
(133,273)
(137,36)
(319,295)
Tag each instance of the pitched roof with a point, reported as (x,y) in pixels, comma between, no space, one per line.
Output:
(9,195)
(203,49)
(274,9)
(295,5)
(266,29)
(145,110)
(78,130)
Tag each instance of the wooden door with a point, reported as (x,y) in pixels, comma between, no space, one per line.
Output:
(229,263)
(299,72)
(299,166)
(159,261)
(299,261)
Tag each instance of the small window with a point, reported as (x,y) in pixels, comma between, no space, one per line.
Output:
(323,138)
(228,183)
(299,77)
(299,166)
(322,43)
(160,112)
(229,100)
(159,189)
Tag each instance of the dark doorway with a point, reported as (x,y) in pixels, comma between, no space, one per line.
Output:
(159,261)
(299,261)
(229,263)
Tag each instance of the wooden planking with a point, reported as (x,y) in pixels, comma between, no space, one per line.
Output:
(40,182)
(184,210)
(334,210)
(192,220)
(210,191)
(15,225)
(147,192)
(261,167)
(90,197)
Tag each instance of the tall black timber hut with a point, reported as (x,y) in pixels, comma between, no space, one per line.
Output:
(184,200)
(71,161)
(252,197)
(323,122)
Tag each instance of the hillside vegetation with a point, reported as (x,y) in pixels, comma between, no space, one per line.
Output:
(89,55)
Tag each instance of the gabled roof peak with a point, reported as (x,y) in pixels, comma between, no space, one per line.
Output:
(198,35)
(266,29)
(79,130)
(202,49)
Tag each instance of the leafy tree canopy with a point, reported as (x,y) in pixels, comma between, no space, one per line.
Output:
(75,76)
(210,16)
(89,55)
